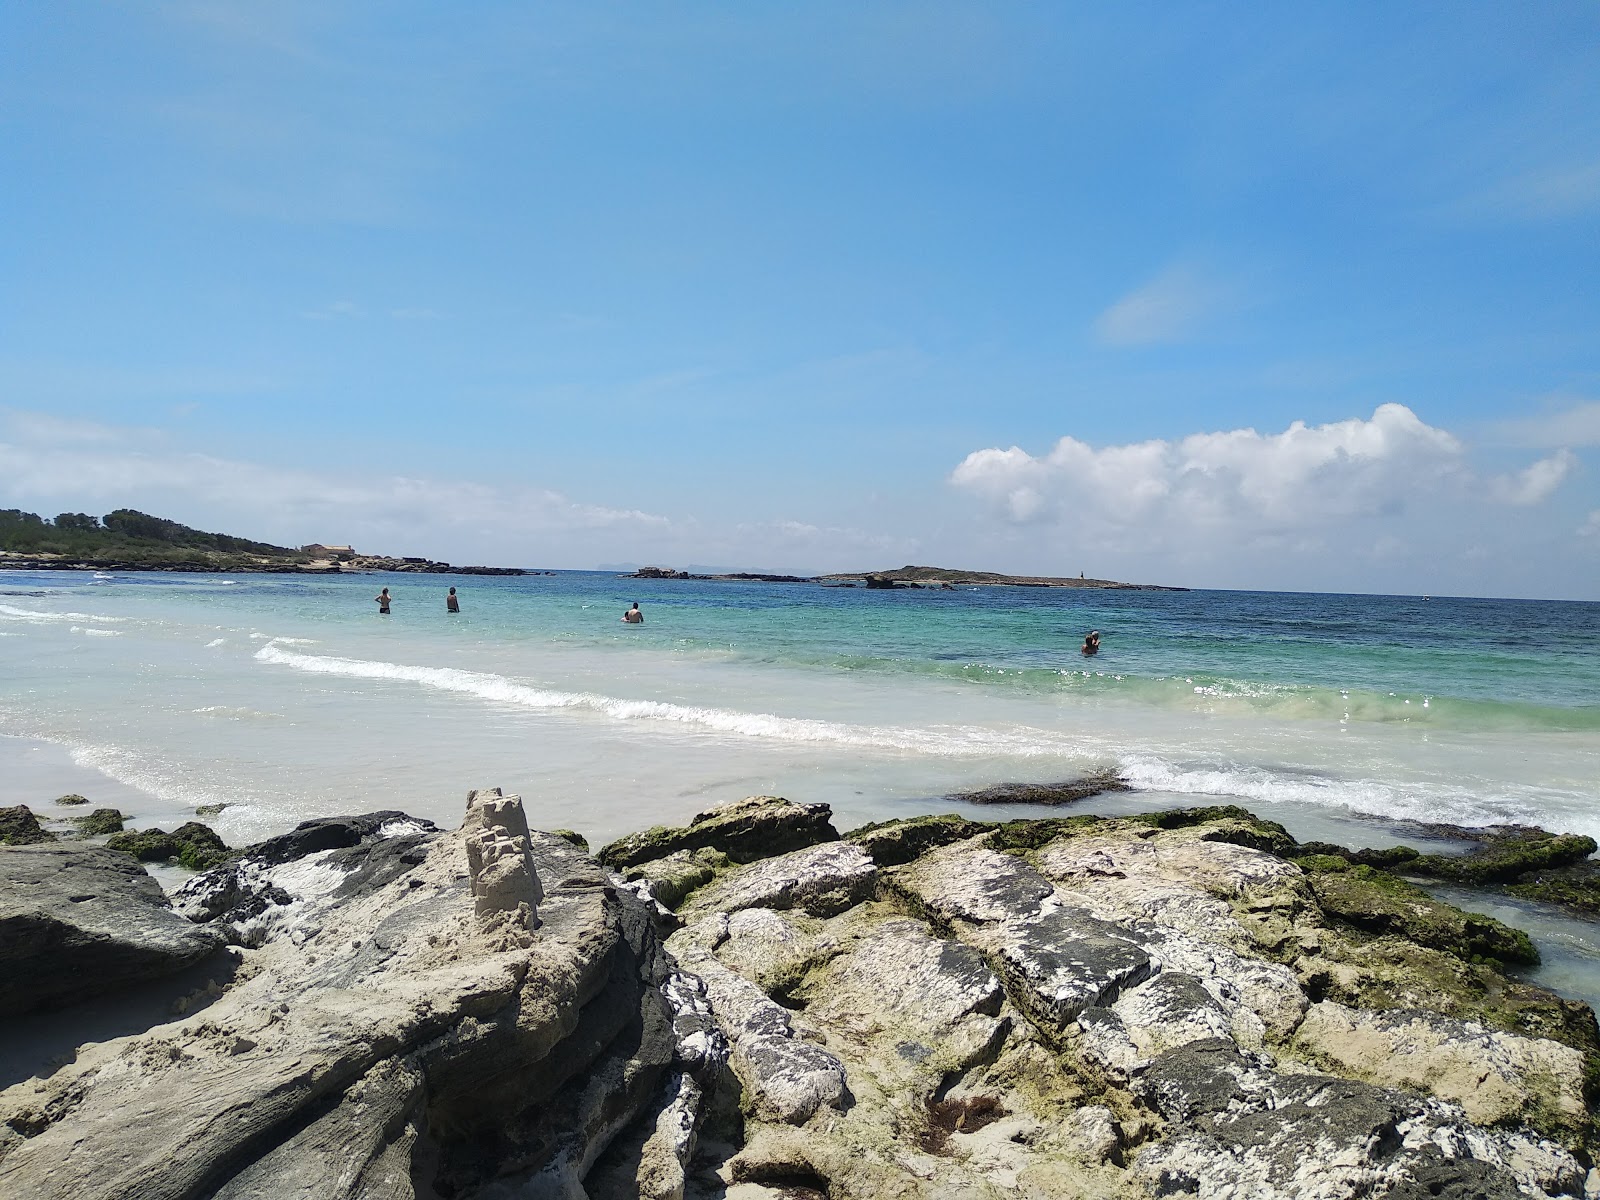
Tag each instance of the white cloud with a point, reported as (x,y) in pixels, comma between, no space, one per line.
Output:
(1241,479)
(1535,483)
(1591,526)
(1170,308)
(1578,424)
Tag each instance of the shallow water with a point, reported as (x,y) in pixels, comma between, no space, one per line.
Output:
(287,697)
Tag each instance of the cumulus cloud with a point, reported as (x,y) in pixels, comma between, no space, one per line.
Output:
(1535,483)
(1280,482)
(1169,308)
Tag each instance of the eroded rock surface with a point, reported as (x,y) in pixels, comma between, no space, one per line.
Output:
(1126,1007)
(1174,1004)
(80,921)
(384,1037)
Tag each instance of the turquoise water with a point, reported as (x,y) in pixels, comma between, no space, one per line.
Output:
(286,696)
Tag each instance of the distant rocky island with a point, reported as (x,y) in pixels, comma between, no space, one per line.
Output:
(129,540)
(915,577)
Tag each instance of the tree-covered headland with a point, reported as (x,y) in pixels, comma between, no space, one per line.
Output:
(128,537)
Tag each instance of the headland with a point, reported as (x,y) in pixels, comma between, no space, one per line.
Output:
(129,540)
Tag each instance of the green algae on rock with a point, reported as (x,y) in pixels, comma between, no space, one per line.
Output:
(19,827)
(757,827)
(891,843)
(100,822)
(192,844)
(1507,857)
(1376,902)
(1576,887)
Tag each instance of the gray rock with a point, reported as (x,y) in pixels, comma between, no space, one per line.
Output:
(1239,1125)
(79,921)
(822,880)
(382,1040)
(747,830)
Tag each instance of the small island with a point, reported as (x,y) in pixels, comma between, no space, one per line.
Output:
(129,540)
(913,577)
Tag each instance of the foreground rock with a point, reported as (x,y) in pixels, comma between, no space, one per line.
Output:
(79,921)
(1176,1004)
(1165,1005)
(407,1021)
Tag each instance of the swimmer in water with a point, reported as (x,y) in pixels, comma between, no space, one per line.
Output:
(633,616)
(451,604)
(383,602)
(1091,644)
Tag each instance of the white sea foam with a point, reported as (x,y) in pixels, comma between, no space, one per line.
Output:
(1415,801)
(216,642)
(89,632)
(943,741)
(10,612)
(233,713)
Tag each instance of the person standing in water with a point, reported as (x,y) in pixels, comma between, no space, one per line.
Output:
(451,604)
(1091,644)
(383,602)
(633,616)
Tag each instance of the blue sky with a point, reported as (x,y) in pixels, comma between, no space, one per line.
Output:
(823,286)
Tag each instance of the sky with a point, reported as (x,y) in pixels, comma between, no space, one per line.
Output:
(1212,295)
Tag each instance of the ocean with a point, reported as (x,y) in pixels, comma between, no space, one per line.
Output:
(285,697)
(288,696)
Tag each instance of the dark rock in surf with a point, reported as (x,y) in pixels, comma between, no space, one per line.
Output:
(1052,794)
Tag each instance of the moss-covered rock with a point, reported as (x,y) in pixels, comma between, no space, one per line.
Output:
(1506,857)
(1026,835)
(749,829)
(209,810)
(193,845)
(1386,858)
(891,843)
(673,878)
(101,821)
(573,836)
(147,845)
(71,799)
(1377,903)
(1226,823)
(199,847)
(1576,887)
(19,827)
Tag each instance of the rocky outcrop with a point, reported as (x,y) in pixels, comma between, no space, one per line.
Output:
(1162,1005)
(745,831)
(1173,1004)
(80,921)
(396,1028)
